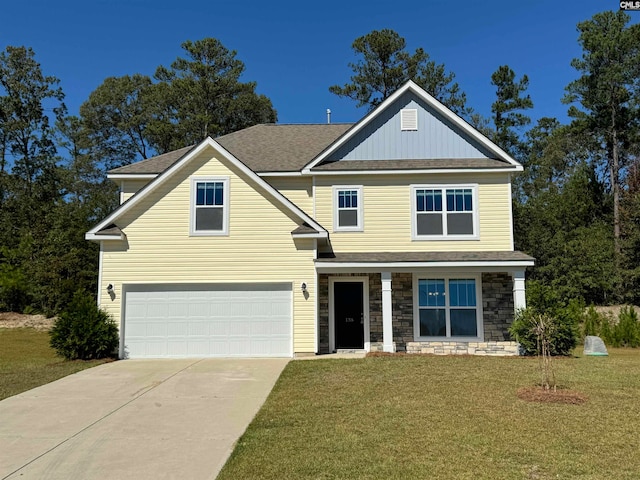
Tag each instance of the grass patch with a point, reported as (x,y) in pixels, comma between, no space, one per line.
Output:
(443,418)
(27,361)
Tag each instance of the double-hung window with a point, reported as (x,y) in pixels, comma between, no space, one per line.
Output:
(347,212)
(210,206)
(447,308)
(445,212)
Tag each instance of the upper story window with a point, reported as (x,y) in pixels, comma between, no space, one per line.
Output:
(445,212)
(210,206)
(347,211)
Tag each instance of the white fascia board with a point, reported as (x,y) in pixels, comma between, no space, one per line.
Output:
(418,171)
(295,173)
(98,238)
(429,100)
(160,179)
(310,235)
(320,266)
(131,176)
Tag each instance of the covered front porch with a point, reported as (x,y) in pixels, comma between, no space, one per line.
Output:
(440,303)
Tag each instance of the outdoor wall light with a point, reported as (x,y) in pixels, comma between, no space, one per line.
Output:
(110,289)
(303,286)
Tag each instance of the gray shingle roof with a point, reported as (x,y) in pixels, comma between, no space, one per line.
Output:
(281,148)
(262,148)
(358,165)
(412,257)
(153,165)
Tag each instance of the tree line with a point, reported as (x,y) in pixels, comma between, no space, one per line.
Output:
(576,206)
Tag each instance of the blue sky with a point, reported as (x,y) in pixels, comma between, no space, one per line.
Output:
(296,50)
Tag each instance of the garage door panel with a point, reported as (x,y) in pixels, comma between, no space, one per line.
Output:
(208,320)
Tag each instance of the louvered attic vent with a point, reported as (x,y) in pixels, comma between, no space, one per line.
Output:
(408,119)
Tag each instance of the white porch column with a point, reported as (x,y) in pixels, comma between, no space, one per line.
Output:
(519,298)
(387,313)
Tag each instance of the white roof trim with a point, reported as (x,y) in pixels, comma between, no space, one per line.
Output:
(422,170)
(320,265)
(160,179)
(431,101)
(131,176)
(95,237)
(310,235)
(295,173)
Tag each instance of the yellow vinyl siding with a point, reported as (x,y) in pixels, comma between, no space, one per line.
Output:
(296,189)
(129,187)
(387,213)
(259,248)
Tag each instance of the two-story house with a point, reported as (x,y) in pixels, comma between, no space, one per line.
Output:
(391,234)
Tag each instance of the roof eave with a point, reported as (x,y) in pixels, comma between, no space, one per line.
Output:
(131,176)
(415,171)
(95,237)
(511,264)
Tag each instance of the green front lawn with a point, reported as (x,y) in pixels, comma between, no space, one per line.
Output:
(444,417)
(27,361)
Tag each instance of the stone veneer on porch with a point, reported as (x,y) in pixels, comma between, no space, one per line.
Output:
(497,306)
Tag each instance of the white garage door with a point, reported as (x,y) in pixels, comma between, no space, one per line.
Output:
(248,320)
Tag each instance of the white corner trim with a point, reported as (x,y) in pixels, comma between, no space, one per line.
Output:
(429,100)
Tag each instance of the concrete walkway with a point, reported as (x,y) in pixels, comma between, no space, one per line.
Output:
(142,419)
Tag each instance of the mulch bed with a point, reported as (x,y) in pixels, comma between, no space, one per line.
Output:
(560,395)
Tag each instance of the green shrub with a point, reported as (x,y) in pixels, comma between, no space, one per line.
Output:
(83,331)
(14,289)
(627,331)
(563,336)
(593,322)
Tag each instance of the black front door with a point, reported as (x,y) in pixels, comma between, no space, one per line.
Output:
(348,314)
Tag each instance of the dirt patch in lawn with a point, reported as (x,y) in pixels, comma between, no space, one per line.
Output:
(614,310)
(560,395)
(21,320)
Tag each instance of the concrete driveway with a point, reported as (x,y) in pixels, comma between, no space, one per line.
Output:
(142,419)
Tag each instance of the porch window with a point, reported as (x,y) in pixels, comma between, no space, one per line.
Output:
(444,212)
(447,308)
(347,212)
(209,206)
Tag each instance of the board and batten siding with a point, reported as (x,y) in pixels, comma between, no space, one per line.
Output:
(383,139)
(387,213)
(259,248)
(296,189)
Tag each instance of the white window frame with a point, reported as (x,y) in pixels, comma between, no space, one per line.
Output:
(416,307)
(445,235)
(359,209)
(225,207)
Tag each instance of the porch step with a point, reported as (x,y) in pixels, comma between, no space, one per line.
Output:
(350,350)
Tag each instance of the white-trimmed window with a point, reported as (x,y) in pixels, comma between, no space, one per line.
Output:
(347,208)
(445,212)
(210,206)
(447,307)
